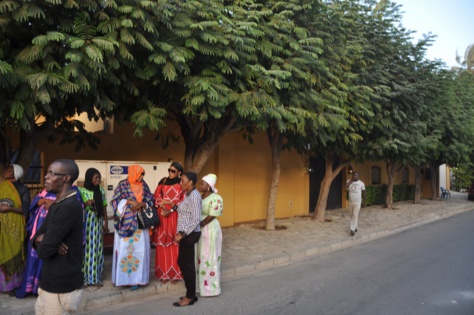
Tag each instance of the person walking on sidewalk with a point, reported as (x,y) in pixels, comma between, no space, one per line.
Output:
(59,243)
(189,232)
(356,189)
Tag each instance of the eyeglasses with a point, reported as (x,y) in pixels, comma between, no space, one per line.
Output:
(51,173)
(171,170)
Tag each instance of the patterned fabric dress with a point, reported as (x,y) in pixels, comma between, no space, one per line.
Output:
(32,274)
(210,248)
(12,236)
(93,264)
(131,255)
(166,252)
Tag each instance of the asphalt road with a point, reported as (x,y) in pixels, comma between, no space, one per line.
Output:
(424,271)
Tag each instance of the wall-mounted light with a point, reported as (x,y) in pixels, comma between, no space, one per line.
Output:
(308,168)
(350,170)
(170,159)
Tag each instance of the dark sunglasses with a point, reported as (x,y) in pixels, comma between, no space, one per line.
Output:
(171,170)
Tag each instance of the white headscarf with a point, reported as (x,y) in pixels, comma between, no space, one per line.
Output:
(211,179)
(17,171)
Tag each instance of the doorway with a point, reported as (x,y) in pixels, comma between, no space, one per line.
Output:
(315,178)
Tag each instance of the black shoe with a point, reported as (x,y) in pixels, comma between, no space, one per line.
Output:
(179,304)
(355,230)
(195,299)
(352,233)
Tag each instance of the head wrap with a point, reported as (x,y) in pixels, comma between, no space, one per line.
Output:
(134,173)
(211,179)
(98,202)
(191,176)
(17,171)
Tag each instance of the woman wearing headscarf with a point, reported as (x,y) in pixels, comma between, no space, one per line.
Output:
(168,195)
(95,225)
(131,255)
(12,236)
(189,231)
(23,191)
(210,245)
(32,274)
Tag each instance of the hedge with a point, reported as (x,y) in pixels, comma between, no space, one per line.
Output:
(375,195)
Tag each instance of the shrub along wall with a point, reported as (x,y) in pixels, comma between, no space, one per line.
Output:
(375,195)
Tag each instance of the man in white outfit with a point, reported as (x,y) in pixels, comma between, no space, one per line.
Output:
(356,189)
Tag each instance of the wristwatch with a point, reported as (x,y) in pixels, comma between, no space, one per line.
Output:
(174,208)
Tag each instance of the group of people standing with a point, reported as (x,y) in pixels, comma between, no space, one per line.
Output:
(52,246)
(21,266)
(187,216)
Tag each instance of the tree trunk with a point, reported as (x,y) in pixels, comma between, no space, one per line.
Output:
(434,182)
(417,184)
(275,138)
(201,139)
(320,212)
(329,175)
(5,146)
(390,166)
(28,143)
(194,161)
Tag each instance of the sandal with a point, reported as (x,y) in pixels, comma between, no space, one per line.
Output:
(180,303)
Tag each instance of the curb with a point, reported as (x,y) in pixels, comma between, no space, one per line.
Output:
(281,260)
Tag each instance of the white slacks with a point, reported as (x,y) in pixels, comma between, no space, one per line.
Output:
(57,303)
(354,208)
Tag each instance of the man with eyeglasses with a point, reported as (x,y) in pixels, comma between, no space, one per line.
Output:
(59,243)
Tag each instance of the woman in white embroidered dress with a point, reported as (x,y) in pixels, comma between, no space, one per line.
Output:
(210,245)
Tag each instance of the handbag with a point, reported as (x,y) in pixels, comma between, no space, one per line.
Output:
(147,218)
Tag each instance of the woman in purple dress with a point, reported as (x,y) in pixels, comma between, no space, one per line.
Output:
(38,211)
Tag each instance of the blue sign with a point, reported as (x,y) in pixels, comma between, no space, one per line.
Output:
(118,170)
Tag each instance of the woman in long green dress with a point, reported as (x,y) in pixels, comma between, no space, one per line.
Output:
(95,221)
(210,245)
(12,235)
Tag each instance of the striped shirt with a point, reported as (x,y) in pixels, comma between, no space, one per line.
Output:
(189,213)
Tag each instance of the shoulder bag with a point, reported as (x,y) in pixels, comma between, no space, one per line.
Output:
(148,218)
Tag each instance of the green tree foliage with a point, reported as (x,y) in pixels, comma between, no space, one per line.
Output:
(62,58)
(463,176)
(341,79)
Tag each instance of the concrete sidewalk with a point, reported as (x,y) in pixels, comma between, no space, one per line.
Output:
(249,248)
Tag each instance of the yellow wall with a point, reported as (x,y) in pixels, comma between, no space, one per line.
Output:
(244,177)
(243,170)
